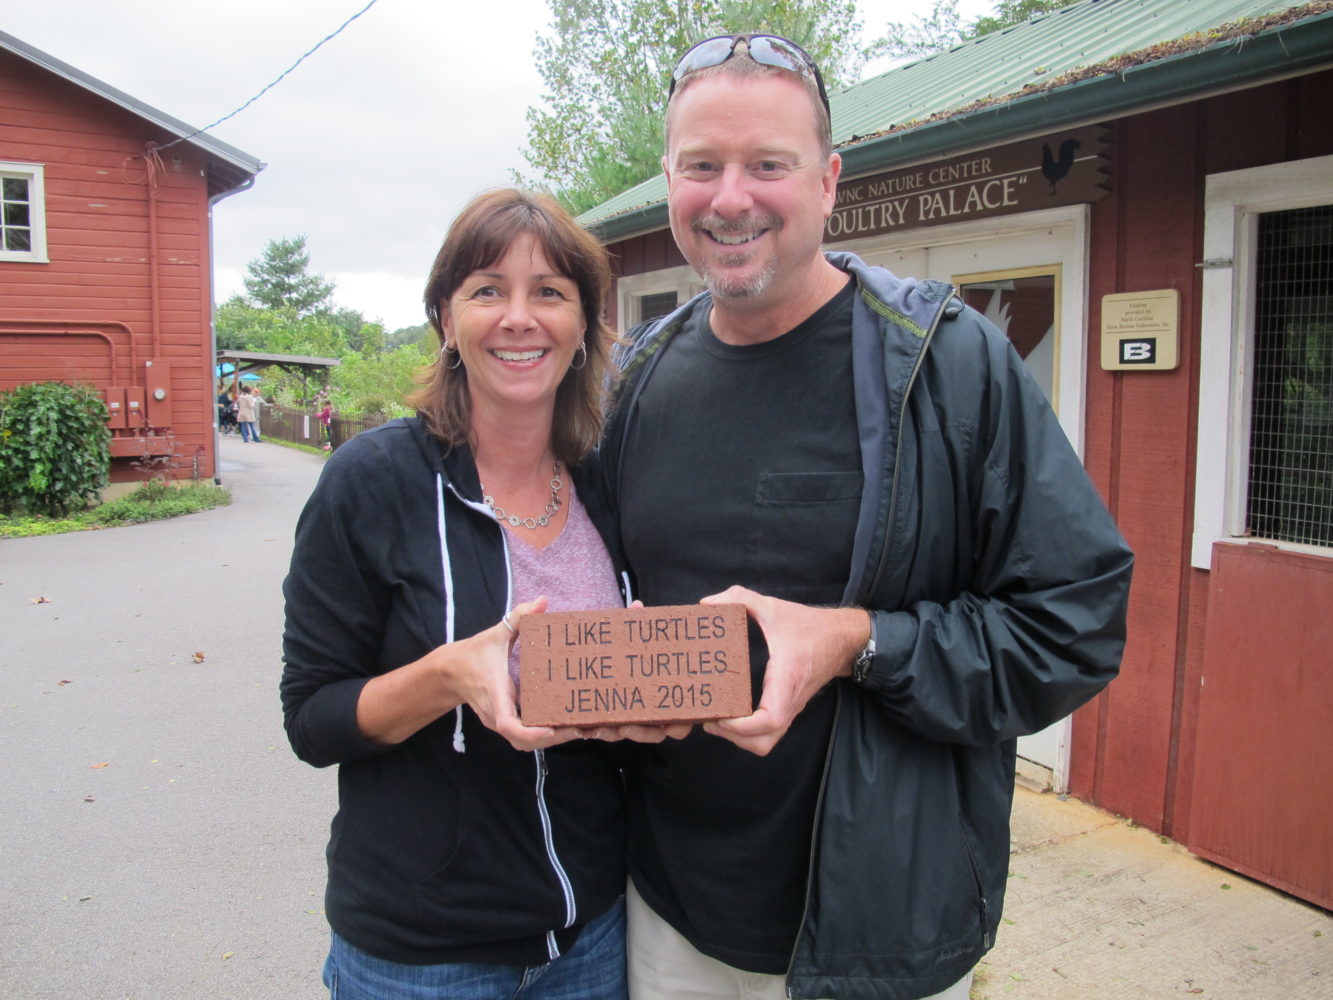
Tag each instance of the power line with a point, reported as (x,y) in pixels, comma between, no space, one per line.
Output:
(281,77)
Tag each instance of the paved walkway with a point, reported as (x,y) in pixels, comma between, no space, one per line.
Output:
(1098,909)
(158,840)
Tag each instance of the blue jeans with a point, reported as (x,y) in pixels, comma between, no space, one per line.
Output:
(249,429)
(594,969)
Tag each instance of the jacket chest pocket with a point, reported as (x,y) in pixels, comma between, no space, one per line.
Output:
(801,530)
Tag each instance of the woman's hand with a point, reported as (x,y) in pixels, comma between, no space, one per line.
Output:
(488,690)
(472,671)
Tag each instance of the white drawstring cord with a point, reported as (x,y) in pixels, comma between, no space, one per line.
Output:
(459,745)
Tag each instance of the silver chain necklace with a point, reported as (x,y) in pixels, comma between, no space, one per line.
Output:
(531,523)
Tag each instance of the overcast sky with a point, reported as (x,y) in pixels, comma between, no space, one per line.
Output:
(373,143)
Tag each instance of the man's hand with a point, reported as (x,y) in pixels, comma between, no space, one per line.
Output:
(807,648)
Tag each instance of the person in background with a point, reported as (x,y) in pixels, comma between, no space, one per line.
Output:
(226,413)
(246,415)
(260,403)
(471,856)
(866,465)
(325,417)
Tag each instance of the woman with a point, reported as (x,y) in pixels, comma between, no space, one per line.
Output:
(247,413)
(325,418)
(467,858)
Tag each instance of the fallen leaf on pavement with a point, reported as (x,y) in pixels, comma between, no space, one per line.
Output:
(198,656)
(105,763)
(41,600)
(63,683)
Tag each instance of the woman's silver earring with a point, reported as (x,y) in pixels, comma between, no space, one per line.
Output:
(583,346)
(447,349)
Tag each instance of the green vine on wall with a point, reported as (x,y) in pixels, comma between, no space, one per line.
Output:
(54,451)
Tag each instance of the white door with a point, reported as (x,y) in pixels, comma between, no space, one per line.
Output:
(1028,275)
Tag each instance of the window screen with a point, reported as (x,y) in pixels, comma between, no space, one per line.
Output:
(1291,442)
(15,214)
(657,304)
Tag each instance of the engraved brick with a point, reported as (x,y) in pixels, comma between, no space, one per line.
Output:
(667,664)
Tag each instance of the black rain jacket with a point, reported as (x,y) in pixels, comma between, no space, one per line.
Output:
(998,585)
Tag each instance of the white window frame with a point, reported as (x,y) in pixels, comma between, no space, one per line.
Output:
(1074,225)
(631,289)
(1233,202)
(34,174)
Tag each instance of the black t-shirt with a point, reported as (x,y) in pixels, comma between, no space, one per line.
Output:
(742,467)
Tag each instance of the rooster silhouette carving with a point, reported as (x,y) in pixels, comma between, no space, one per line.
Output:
(1054,168)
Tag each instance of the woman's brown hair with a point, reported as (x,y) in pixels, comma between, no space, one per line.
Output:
(478,238)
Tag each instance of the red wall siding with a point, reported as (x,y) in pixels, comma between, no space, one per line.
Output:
(1156,228)
(1262,802)
(100,274)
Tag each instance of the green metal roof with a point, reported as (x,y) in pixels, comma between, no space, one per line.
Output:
(1090,61)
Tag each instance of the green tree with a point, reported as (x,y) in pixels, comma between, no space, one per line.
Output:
(361,334)
(281,277)
(1011,12)
(241,326)
(376,385)
(607,65)
(943,27)
(404,335)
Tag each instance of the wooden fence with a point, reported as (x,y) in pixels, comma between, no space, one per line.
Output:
(303,427)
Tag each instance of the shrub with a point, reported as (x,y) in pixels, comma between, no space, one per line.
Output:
(54,454)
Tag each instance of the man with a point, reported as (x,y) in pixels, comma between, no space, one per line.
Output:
(866,466)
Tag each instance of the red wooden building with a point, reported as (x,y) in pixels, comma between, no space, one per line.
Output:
(106,255)
(1141,193)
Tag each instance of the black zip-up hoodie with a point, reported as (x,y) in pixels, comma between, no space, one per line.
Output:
(452,846)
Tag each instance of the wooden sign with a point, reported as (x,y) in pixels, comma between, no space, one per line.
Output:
(668,664)
(1067,168)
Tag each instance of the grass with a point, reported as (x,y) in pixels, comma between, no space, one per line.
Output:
(295,446)
(153,501)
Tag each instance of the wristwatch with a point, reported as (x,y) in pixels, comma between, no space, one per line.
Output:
(866,657)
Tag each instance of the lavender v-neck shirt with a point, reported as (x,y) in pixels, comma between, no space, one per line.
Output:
(574,572)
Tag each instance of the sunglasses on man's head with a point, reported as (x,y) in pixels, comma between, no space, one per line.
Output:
(767,50)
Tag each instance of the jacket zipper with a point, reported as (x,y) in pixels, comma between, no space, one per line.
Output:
(814,832)
(898,446)
(539,756)
(987,940)
(837,705)
(566,887)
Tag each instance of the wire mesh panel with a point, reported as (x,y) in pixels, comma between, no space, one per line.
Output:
(656,304)
(1291,442)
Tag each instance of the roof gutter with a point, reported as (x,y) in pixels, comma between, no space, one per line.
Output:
(1285,51)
